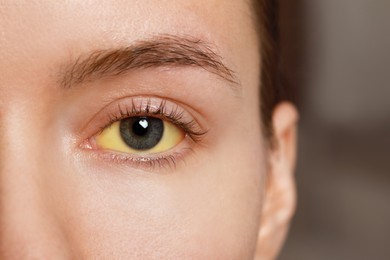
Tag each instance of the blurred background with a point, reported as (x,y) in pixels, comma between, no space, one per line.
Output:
(336,54)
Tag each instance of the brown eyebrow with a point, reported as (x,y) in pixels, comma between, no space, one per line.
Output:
(165,50)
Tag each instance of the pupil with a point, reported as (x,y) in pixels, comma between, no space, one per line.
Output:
(140,127)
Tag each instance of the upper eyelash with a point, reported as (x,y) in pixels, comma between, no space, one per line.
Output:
(174,116)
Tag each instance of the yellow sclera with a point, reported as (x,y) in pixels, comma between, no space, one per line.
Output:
(110,139)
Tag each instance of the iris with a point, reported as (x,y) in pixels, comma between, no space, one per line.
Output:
(141,133)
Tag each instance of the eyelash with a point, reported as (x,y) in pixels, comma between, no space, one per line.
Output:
(172,114)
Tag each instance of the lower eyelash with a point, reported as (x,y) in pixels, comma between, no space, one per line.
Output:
(148,163)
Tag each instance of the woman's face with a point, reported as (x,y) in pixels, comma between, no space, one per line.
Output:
(129,129)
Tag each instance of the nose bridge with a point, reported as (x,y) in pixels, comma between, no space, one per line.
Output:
(28,226)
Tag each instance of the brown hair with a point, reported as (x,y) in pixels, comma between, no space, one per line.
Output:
(272,91)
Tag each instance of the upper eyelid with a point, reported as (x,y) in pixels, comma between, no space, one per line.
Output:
(147,110)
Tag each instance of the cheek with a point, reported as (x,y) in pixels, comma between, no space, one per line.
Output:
(208,209)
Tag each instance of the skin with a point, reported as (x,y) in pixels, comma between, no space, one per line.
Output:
(230,198)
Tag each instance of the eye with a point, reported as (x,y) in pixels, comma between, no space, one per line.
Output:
(140,135)
(144,132)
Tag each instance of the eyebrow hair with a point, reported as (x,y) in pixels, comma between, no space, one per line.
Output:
(159,51)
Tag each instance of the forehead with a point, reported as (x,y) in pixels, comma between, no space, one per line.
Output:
(65,23)
(37,36)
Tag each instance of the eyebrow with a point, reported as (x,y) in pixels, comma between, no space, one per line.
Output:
(159,51)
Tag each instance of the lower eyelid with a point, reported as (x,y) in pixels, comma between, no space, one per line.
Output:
(165,161)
